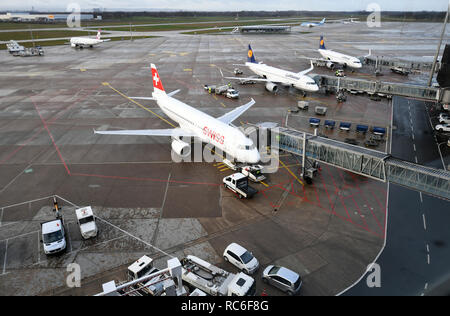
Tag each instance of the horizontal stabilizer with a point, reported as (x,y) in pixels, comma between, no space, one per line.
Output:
(151,98)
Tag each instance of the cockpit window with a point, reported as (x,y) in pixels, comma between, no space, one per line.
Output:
(247,147)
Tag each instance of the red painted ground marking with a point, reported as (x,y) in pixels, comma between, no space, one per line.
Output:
(359,212)
(328,195)
(337,192)
(51,137)
(317,195)
(12,154)
(141,179)
(370,207)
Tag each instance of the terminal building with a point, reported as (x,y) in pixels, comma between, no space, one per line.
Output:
(26,17)
(264,29)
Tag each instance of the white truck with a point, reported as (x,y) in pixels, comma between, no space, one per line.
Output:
(86,222)
(14,47)
(238,183)
(159,285)
(215,281)
(254,173)
(232,94)
(53,236)
(226,90)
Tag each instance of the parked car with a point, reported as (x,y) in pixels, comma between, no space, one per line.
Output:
(241,258)
(444,118)
(370,143)
(284,279)
(351,141)
(443,128)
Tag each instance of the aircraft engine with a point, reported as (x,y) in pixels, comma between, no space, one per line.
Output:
(181,148)
(330,65)
(271,87)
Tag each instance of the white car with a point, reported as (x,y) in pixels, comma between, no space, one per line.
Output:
(444,118)
(241,258)
(443,128)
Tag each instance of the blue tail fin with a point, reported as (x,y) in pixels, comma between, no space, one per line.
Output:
(322,43)
(250,56)
(322,22)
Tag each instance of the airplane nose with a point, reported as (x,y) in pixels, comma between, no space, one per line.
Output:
(254,156)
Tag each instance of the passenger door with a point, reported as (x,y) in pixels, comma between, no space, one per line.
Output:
(234,259)
(279,282)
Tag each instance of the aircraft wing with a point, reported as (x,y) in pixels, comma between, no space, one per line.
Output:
(248,78)
(314,59)
(365,56)
(175,132)
(106,40)
(304,72)
(232,115)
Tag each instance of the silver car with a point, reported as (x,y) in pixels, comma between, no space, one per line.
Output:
(286,280)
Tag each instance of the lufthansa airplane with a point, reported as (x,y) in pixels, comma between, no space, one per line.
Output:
(275,76)
(333,58)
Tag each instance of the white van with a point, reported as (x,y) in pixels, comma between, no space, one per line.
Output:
(53,236)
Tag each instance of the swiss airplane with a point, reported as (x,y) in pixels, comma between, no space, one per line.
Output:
(312,24)
(274,76)
(81,42)
(197,124)
(331,58)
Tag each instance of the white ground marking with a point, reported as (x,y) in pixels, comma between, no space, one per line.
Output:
(6,256)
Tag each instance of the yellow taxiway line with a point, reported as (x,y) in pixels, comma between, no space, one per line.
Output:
(123,95)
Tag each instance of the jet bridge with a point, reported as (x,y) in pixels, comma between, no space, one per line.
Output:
(397,62)
(365,162)
(333,83)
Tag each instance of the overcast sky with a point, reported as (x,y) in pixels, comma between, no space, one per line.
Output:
(229,5)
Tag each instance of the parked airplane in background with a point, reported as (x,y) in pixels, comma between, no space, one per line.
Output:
(312,24)
(274,76)
(197,124)
(81,42)
(331,58)
(350,20)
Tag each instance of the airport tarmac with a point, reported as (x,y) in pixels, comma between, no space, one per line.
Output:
(146,203)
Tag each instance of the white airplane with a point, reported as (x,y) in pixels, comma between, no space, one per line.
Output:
(273,76)
(331,58)
(312,24)
(81,42)
(197,124)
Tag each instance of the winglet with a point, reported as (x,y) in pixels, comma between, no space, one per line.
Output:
(157,84)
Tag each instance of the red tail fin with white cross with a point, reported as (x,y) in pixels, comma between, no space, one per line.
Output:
(157,84)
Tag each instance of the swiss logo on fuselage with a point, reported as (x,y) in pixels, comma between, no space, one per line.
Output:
(213,135)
